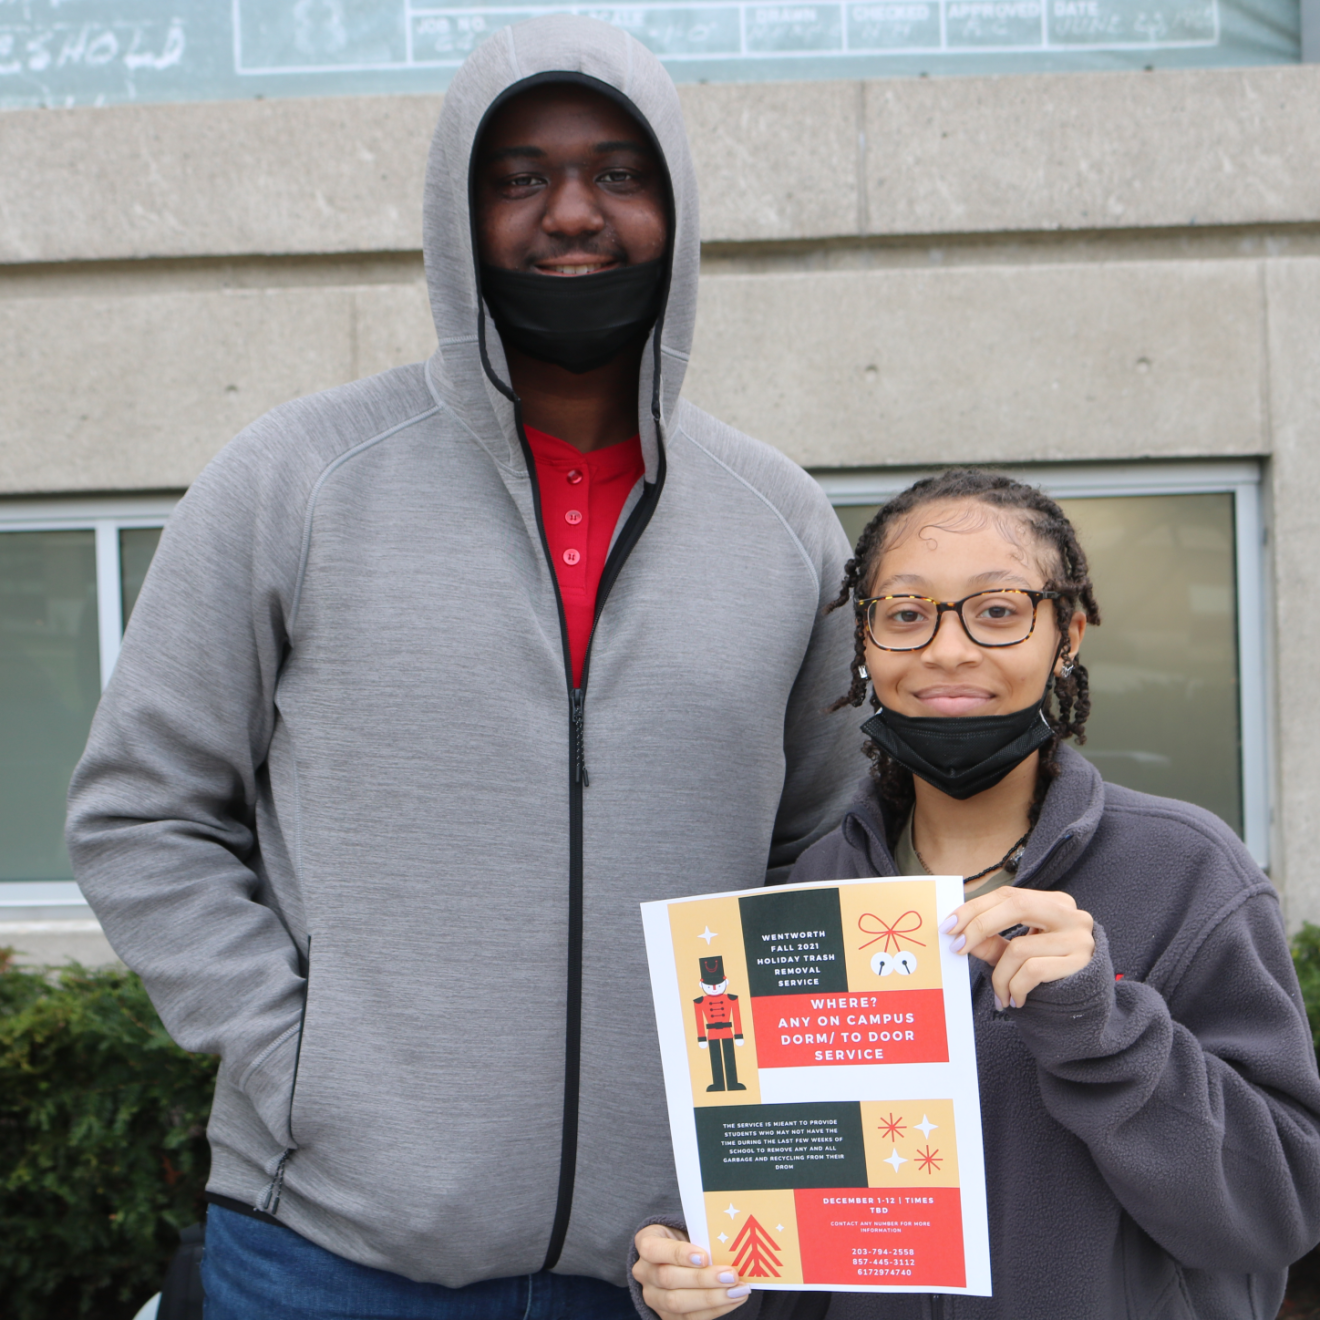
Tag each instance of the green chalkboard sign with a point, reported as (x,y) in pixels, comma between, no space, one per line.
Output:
(99,52)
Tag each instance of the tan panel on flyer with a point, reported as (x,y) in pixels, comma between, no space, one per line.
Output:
(889,935)
(910,1144)
(706,928)
(756,1233)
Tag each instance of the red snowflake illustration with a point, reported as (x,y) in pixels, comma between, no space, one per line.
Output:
(928,1160)
(892,1127)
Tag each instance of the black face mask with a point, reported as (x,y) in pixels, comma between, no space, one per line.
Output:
(579,322)
(961,755)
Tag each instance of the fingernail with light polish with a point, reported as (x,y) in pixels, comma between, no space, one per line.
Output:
(741,1291)
(728,1276)
(999,1004)
(948,923)
(957,945)
(1012,1003)
(697,1259)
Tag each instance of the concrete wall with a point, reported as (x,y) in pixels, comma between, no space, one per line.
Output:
(1046,267)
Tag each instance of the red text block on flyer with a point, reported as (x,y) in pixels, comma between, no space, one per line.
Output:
(808,1031)
(904,1235)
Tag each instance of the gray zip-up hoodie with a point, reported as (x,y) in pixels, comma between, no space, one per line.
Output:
(1152,1123)
(335,805)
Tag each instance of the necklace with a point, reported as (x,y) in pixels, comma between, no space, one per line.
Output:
(1008,862)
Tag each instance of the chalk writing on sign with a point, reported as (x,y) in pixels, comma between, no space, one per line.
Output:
(329,34)
(77,52)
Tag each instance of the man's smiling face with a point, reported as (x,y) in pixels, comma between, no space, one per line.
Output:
(567,183)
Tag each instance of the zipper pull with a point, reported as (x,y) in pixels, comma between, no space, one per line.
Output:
(580,775)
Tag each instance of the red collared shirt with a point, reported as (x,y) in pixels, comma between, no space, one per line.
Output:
(582,496)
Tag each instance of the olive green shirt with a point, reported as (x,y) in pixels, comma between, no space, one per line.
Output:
(905,855)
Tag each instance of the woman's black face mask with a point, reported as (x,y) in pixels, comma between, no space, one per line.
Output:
(579,322)
(961,755)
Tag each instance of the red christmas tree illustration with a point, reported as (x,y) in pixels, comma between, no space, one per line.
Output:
(754,1251)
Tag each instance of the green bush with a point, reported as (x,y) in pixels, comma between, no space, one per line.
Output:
(103,1153)
(1306,958)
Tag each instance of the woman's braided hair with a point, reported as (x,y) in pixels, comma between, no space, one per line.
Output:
(1067,704)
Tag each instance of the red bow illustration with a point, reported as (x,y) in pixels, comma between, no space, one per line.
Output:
(894,935)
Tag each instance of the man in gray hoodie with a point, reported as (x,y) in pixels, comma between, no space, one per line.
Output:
(435,678)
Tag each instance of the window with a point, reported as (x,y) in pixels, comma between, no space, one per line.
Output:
(70,573)
(1178,667)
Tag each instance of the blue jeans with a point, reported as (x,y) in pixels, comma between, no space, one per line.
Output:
(253,1270)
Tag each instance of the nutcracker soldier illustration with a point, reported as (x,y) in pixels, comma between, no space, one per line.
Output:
(719,1025)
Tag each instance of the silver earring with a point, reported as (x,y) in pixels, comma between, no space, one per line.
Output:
(1067,669)
(861,672)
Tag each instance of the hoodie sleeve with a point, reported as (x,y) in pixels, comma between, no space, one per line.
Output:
(161,826)
(821,749)
(1200,1105)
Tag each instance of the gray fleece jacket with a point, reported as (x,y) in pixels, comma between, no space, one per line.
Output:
(335,806)
(1152,1123)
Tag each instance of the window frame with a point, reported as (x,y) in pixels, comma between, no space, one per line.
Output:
(106,517)
(1240,478)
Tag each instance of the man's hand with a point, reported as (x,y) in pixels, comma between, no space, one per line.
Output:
(701,1044)
(1058,941)
(678,1280)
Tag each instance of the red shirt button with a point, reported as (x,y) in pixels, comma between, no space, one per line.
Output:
(574,476)
(571,557)
(573,517)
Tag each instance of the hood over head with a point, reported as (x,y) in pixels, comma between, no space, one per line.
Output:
(585,51)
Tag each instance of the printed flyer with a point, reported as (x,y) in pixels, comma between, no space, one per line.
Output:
(820,1070)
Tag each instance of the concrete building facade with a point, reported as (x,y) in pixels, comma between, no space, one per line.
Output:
(1111,280)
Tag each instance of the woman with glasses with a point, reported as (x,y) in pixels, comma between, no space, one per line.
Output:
(1150,1103)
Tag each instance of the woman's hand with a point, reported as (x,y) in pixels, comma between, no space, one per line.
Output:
(1058,941)
(678,1279)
